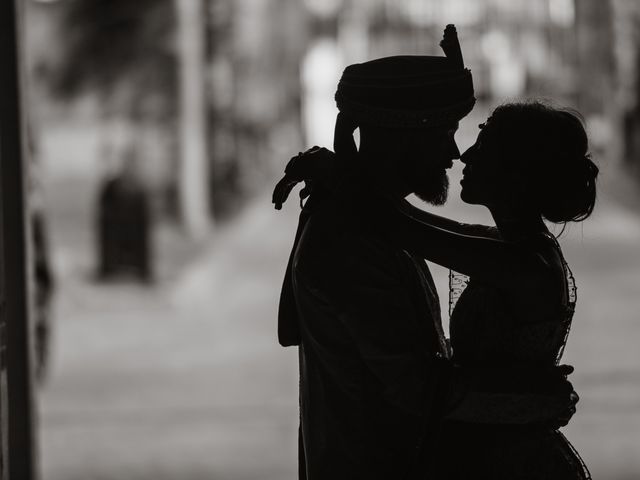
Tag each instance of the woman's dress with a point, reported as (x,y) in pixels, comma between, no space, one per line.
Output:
(484,334)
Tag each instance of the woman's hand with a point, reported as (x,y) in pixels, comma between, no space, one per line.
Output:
(316,165)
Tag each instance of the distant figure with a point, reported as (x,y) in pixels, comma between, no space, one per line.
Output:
(377,378)
(44,282)
(124,226)
(43,295)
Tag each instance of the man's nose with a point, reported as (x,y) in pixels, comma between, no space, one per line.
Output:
(466,156)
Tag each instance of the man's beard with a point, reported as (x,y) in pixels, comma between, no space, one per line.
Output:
(434,188)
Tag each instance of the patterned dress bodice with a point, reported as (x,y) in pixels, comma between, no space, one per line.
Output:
(485,331)
(486,328)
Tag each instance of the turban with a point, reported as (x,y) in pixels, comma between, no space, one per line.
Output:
(408,91)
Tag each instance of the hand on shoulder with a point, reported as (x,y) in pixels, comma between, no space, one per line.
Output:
(316,166)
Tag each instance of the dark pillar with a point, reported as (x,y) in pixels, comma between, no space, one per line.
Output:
(19,419)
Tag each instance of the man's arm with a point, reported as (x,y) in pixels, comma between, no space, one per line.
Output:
(512,396)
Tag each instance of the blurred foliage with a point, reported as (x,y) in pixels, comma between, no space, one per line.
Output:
(107,42)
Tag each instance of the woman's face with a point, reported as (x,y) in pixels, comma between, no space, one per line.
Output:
(488,179)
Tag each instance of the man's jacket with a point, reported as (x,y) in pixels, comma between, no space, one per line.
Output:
(365,315)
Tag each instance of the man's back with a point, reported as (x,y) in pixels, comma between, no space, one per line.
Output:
(370,330)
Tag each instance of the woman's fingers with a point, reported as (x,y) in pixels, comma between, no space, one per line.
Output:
(294,167)
(312,164)
(281,191)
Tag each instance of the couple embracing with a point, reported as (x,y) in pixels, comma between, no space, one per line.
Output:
(383,393)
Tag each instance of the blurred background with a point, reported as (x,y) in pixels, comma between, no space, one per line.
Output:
(156,129)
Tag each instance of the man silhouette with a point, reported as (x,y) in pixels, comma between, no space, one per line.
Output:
(374,376)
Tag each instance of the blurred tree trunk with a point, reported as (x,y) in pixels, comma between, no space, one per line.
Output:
(626,32)
(192,165)
(594,24)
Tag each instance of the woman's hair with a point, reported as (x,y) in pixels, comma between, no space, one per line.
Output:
(553,146)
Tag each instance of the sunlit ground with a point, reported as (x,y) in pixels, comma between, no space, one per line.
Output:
(185,380)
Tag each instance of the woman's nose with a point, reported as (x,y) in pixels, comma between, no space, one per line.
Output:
(466,157)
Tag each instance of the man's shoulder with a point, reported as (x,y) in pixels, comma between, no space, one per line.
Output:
(341,242)
(342,227)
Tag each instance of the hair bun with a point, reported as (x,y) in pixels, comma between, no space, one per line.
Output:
(571,196)
(590,169)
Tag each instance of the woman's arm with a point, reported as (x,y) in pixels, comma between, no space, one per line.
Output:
(471,229)
(490,259)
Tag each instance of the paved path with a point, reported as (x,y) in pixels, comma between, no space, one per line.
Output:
(185,381)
